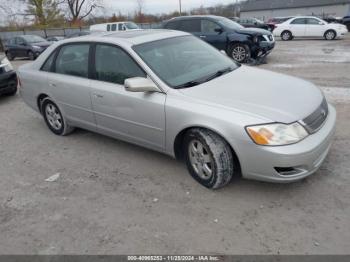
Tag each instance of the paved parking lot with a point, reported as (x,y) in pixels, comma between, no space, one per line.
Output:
(116,198)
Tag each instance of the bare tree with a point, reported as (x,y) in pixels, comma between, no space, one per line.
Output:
(79,9)
(44,11)
(139,14)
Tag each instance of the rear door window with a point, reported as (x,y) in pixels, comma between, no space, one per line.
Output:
(172,25)
(73,60)
(191,26)
(114,27)
(299,21)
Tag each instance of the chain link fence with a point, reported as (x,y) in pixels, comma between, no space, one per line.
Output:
(4,36)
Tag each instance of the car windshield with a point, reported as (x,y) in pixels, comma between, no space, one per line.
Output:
(33,39)
(229,23)
(184,61)
(131,25)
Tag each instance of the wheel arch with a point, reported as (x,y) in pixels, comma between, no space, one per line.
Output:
(40,100)
(179,140)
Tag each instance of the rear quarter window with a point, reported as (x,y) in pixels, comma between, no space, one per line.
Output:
(190,26)
(172,25)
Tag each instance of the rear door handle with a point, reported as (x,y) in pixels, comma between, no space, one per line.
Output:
(52,84)
(98,95)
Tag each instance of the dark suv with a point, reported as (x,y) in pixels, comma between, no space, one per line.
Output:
(8,77)
(30,46)
(239,43)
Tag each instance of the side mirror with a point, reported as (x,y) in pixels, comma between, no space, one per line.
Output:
(218,30)
(140,84)
(223,52)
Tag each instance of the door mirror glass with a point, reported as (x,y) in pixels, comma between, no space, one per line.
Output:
(140,84)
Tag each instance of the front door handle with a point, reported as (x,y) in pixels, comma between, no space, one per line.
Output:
(52,84)
(202,36)
(98,95)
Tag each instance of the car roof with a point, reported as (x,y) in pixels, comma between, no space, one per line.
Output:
(130,38)
(195,16)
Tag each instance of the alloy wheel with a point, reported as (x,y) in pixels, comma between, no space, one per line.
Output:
(330,35)
(53,116)
(239,53)
(200,159)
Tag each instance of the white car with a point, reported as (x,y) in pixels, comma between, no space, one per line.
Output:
(309,26)
(112,27)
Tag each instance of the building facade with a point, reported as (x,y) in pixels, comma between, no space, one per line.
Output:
(266,9)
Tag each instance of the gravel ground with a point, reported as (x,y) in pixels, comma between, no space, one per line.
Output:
(116,198)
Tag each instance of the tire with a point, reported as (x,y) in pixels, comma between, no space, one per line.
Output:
(54,118)
(12,85)
(240,53)
(10,56)
(330,35)
(209,158)
(286,36)
(31,55)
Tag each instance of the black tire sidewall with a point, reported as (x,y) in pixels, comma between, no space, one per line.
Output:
(14,90)
(43,110)
(209,183)
(31,55)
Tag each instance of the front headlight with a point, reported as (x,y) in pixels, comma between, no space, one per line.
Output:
(277,134)
(6,65)
(37,47)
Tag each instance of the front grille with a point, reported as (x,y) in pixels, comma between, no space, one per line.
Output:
(314,122)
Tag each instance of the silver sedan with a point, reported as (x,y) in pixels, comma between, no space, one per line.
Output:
(171,92)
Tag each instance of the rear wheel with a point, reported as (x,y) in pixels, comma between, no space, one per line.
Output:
(209,158)
(286,36)
(330,35)
(240,53)
(54,118)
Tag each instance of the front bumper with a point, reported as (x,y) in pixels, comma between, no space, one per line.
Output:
(263,49)
(259,162)
(8,82)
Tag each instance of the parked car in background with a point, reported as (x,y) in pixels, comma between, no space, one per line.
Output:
(238,42)
(253,23)
(30,46)
(309,26)
(171,92)
(77,34)
(332,19)
(54,38)
(118,26)
(346,22)
(8,77)
(272,22)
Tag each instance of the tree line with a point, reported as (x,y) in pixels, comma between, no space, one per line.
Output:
(62,13)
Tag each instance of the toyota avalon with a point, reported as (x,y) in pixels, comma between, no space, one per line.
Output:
(171,92)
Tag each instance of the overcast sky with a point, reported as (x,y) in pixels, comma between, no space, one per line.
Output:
(158,6)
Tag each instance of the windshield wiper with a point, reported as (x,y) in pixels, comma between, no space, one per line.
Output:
(219,73)
(205,79)
(189,84)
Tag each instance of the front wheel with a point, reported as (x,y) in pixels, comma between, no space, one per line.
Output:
(10,56)
(209,158)
(31,55)
(286,36)
(330,35)
(240,53)
(54,118)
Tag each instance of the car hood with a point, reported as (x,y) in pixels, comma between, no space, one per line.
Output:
(42,44)
(273,96)
(254,31)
